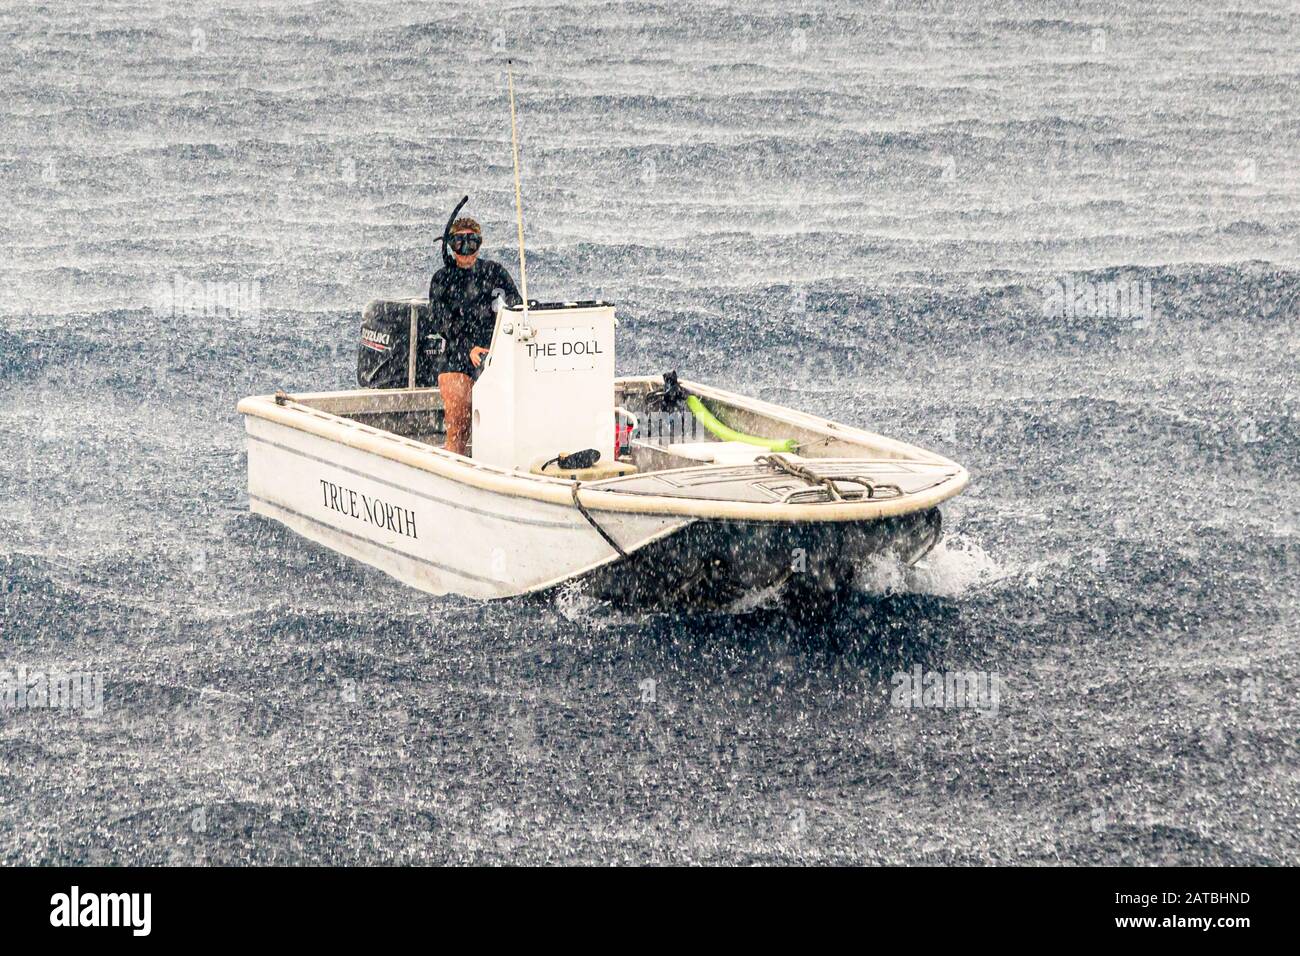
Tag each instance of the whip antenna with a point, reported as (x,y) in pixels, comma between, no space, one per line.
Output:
(519,202)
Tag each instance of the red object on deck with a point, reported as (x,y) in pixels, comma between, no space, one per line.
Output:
(622,437)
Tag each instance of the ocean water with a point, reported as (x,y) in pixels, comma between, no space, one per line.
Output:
(1056,242)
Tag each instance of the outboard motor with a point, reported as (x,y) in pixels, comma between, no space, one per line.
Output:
(384,353)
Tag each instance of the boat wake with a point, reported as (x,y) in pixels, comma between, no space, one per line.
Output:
(958,565)
(575,603)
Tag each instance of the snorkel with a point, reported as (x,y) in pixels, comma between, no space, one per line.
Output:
(447,258)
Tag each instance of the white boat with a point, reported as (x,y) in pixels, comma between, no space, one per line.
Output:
(712,495)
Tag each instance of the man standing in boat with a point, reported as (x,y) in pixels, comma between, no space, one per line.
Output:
(461,303)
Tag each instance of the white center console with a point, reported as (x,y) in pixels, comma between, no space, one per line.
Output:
(548,388)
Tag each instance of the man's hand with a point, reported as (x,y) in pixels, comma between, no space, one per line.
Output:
(476,355)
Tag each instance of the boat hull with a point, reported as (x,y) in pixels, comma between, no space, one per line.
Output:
(361,473)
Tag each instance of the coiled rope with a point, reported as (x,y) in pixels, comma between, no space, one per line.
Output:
(781,463)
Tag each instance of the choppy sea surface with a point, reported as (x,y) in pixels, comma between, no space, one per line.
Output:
(869,212)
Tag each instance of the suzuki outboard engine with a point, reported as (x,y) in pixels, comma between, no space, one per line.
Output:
(384,353)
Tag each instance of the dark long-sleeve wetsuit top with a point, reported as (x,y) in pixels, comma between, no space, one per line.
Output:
(460,303)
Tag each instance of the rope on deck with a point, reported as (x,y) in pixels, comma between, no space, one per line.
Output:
(782,463)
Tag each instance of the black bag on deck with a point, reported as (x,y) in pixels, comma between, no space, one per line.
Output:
(384,351)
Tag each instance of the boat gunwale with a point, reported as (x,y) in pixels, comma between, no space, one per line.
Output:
(291,412)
